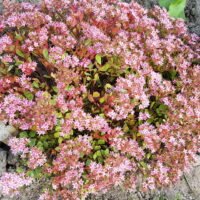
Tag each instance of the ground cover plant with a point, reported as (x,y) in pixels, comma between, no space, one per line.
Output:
(103,93)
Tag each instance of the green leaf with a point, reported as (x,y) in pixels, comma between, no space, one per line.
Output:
(143,164)
(96,77)
(150,120)
(98,153)
(152,104)
(88,162)
(57,134)
(102,100)
(10,67)
(45,144)
(148,155)
(104,68)
(18,62)
(19,170)
(60,140)
(162,109)
(69,87)
(59,115)
(108,86)
(55,89)
(58,128)
(23,134)
(165,3)
(177,9)
(36,173)
(20,53)
(45,54)
(35,84)
(98,59)
(106,152)
(100,159)
(40,144)
(28,95)
(32,134)
(18,36)
(100,141)
(97,147)
(88,42)
(32,142)
(67,136)
(81,155)
(170,75)
(102,133)
(94,156)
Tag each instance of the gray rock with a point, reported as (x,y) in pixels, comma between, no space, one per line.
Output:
(6,132)
(1,1)
(148,3)
(11,160)
(115,194)
(192,12)
(3,161)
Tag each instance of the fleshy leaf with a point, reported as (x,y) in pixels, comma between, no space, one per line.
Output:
(176,9)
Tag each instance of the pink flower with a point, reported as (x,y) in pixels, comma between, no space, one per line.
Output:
(5,42)
(36,158)
(10,183)
(18,145)
(28,68)
(144,116)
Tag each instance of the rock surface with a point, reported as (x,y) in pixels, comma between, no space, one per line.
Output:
(6,132)
(193,14)
(3,161)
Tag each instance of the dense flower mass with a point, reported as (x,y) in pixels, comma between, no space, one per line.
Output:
(10,183)
(103,93)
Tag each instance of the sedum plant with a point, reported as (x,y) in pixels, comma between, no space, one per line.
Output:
(103,93)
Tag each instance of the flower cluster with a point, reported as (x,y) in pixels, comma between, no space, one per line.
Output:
(10,183)
(18,145)
(102,92)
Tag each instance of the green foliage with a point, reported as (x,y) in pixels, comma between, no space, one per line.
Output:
(100,151)
(98,59)
(165,3)
(28,95)
(170,75)
(23,134)
(36,173)
(46,54)
(158,112)
(175,7)
(20,53)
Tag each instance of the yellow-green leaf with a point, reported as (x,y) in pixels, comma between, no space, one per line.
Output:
(98,59)
(45,54)
(57,134)
(20,53)
(96,94)
(28,95)
(102,100)
(105,67)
